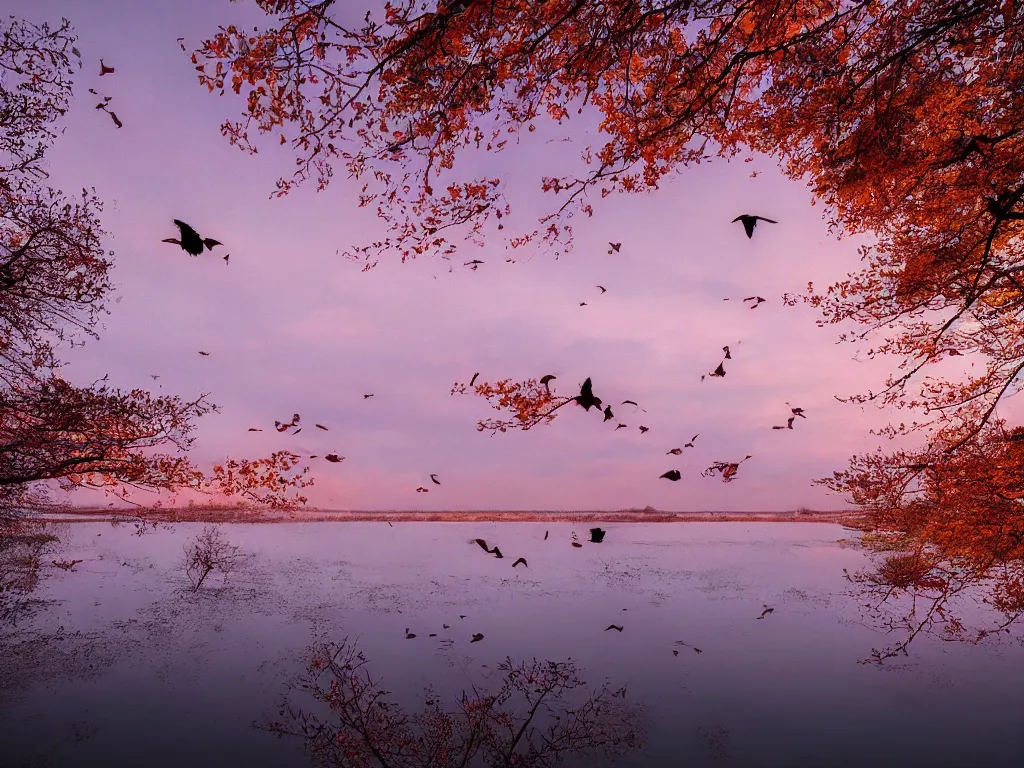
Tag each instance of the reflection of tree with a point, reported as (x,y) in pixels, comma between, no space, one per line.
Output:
(528,721)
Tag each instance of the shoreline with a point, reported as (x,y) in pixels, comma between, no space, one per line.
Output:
(252,515)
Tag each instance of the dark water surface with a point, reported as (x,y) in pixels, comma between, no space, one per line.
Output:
(129,669)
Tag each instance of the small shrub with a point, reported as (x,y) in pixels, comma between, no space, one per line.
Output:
(210,551)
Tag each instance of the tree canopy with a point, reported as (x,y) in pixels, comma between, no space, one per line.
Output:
(902,118)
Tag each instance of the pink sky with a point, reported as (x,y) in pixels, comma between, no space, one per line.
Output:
(292,327)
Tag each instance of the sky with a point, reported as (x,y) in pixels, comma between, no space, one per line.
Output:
(291,326)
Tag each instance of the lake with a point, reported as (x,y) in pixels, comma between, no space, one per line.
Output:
(127,667)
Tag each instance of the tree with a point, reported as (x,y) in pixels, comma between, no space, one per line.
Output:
(208,552)
(530,720)
(54,286)
(903,118)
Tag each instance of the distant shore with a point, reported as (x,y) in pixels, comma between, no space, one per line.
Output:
(200,514)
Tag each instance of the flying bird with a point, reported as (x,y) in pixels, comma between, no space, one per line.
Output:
(297,431)
(181,42)
(756,299)
(408,634)
(583,303)
(620,426)
(204,354)
(154,376)
(521,560)
(728,354)
(586,396)
(674,451)
(644,429)
(367,397)
(104,69)
(489,550)
(577,545)
(690,444)
(719,371)
(255,429)
(334,458)
(190,241)
(615,247)
(631,402)
(473,264)
(749,222)
(421,489)
(608,415)
(672,474)
(471,381)
(766,611)
(434,478)
(226,258)
(321,426)
(545,379)
(796,411)
(117,121)
(603,289)
(616,627)
(728,469)
(477,637)
(789,423)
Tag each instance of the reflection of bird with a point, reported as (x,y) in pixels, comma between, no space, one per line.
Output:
(586,396)
(615,627)
(749,222)
(521,560)
(190,241)
(766,611)
(546,535)
(104,69)
(672,474)
(434,478)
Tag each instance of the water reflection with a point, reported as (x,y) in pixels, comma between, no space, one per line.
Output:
(530,714)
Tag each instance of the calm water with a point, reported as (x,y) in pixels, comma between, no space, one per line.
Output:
(129,670)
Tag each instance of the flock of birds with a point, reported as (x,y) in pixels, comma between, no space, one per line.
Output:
(597,536)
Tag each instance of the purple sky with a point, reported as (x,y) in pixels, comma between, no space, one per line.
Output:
(291,326)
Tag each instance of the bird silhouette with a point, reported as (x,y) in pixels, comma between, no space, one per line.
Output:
(104,69)
(474,378)
(190,241)
(672,474)
(766,611)
(608,415)
(181,42)
(435,480)
(546,535)
(789,423)
(644,429)
(255,429)
(367,397)
(728,354)
(473,264)
(116,119)
(687,645)
(796,411)
(321,426)
(489,550)
(409,635)
(545,379)
(421,489)
(603,289)
(597,535)
(577,545)
(521,560)
(631,402)
(727,468)
(586,396)
(757,301)
(616,627)
(620,426)
(334,458)
(719,371)
(204,354)
(615,247)
(749,222)
(690,444)
(674,452)
(477,637)
(226,259)
(583,303)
